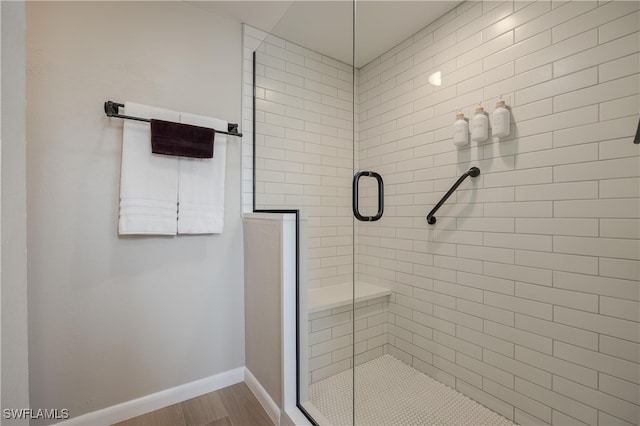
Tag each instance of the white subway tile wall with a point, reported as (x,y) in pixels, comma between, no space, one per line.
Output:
(331,338)
(541,321)
(304,148)
(525,293)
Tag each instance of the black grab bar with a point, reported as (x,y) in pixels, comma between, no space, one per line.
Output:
(473,172)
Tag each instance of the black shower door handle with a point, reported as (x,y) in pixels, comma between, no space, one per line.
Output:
(356,210)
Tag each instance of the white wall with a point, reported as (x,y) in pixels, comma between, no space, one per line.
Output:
(114,318)
(15,374)
(525,293)
(263,302)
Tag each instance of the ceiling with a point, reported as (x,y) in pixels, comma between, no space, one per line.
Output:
(327,26)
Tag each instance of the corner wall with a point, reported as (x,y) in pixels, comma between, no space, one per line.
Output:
(525,294)
(263,301)
(115,318)
(15,371)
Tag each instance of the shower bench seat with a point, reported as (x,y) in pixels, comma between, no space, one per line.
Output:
(334,296)
(333,317)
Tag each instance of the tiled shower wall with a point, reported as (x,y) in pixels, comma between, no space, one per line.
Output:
(304,127)
(525,293)
(331,337)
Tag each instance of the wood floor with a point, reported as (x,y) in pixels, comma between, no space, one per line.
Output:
(232,406)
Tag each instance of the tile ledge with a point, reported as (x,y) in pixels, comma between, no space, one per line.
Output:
(329,297)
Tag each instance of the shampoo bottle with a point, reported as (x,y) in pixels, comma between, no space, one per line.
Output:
(501,120)
(479,126)
(460,130)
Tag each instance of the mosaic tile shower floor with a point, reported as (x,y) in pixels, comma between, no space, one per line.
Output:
(390,392)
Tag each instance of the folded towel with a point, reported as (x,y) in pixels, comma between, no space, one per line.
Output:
(148,182)
(201,184)
(171,138)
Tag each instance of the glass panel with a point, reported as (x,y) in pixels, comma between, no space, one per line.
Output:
(304,161)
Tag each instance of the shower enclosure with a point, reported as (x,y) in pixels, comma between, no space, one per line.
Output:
(520,303)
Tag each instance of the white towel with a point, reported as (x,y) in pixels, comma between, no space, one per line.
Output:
(148,182)
(201,183)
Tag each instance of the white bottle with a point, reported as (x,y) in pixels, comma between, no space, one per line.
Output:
(501,120)
(460,130)
(479,126)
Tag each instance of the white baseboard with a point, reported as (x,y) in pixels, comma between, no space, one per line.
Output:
(135,407)
(262,396)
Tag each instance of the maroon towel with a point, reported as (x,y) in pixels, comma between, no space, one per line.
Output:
(184,140)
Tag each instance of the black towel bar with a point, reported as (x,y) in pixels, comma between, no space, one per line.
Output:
(111,109)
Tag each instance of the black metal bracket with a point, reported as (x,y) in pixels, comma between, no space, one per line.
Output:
(112,110)
(355,201)
(473,172)
(637,138)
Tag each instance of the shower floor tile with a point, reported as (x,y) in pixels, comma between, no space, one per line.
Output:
(390,392)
